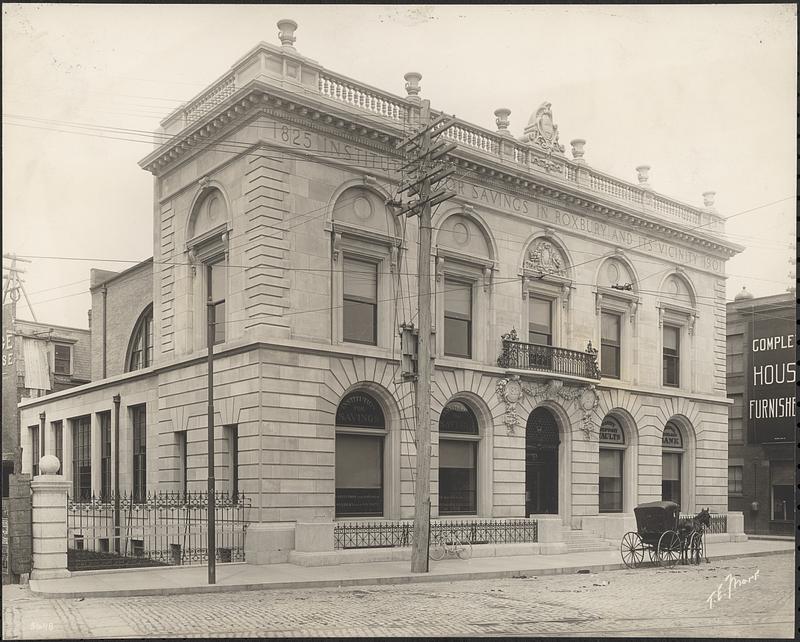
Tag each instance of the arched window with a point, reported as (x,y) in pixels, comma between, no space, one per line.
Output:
(360,436)
(140,352)
(671,462)
(612,453)
(458,460)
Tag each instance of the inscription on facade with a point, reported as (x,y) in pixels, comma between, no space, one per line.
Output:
(576,222)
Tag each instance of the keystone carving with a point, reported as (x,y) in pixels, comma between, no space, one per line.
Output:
(545,258)
(584,398)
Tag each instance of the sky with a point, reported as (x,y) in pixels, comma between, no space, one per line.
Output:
(705,95)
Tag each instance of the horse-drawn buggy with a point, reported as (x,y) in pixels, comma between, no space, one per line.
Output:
(666,537)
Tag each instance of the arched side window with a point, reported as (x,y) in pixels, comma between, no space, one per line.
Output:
(360,437)
(140,350)
(458,460)
(671,462)
(612,454)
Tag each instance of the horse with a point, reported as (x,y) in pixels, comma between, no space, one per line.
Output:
(687,526)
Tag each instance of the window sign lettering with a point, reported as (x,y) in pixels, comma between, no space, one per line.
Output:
(671,438)
(359,410)
(611,432)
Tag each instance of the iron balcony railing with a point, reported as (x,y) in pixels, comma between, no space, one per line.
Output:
(530,356)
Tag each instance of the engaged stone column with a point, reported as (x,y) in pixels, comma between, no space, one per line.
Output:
(49,521)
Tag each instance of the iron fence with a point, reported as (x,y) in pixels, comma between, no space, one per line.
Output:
(530,356)
(719,522)
(390,534)
(161,529)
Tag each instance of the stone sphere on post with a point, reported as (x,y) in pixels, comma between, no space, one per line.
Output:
(49,465)
(501,119)
(286,29)
(577,149)
(412,79)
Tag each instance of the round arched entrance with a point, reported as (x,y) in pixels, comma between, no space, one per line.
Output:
(541,463)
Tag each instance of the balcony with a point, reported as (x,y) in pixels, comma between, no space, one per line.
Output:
(559,361)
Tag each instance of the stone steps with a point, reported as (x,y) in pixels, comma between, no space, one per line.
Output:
(578,541)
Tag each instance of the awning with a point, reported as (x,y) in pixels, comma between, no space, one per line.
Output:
(37,367)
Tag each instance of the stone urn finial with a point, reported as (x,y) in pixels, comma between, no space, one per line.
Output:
(412,79)
(501,118)
(49,465)
(577,149)
(286,29)
(708,199)
(644,175)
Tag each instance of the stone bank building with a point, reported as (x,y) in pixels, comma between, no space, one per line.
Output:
(270,197)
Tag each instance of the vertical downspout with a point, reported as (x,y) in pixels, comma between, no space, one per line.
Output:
(116,400)
(105,304)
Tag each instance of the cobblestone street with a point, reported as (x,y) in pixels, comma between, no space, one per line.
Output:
(645,602)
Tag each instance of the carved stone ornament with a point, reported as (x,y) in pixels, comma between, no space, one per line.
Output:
(542,131)
(585,398)
(544,258)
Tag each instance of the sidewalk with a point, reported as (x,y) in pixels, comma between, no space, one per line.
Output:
(246,577)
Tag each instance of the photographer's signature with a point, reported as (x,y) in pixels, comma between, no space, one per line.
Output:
(733,583)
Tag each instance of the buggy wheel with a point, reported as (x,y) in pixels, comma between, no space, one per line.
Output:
(669,549)
(464,550)
(631,549)
(696,548)
(437,549)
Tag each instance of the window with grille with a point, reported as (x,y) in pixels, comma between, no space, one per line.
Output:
(360,301)
(82,458)
(183,460)
(457,319)
(360,436)
(63,359)
(139,423)
(610,345)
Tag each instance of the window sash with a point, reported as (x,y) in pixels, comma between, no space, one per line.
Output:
(735,480)
(105,454)
(216,291)
(81,459)
(34,430)
(671,372)
(540,323)
(62,359)
(457,338)
(458,466)
(457,300)
(139,417)
(610,356)
(610,480)
(359,475)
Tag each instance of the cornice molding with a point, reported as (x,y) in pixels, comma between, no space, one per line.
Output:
(319,113)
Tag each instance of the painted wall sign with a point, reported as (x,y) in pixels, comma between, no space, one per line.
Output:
(771,378)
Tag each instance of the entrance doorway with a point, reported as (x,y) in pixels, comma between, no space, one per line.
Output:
(541,463)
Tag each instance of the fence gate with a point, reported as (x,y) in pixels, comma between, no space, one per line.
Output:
(162,529)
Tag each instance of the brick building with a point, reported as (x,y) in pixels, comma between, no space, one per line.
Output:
(271,198)
(761,428)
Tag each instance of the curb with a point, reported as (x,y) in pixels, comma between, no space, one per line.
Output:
(367,581)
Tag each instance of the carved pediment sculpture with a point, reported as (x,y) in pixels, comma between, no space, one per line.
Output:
(542,131)
(545,258)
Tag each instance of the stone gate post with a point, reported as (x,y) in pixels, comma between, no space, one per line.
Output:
(49,521)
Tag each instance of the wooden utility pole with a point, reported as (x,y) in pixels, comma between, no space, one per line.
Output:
(424,178)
